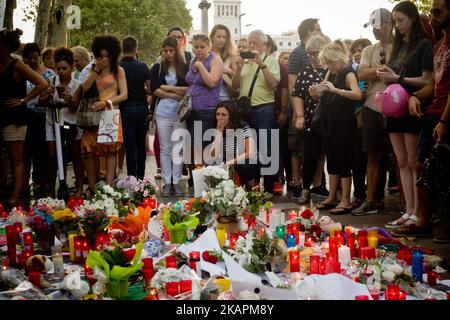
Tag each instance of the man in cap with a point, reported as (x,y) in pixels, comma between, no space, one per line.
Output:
(373,134)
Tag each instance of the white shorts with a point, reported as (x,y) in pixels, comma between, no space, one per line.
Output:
(50,132)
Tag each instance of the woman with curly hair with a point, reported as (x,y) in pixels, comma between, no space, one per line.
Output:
(111,82)
(222,45)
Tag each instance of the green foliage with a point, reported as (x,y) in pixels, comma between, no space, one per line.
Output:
(114,257)
(148,21)
(423,5)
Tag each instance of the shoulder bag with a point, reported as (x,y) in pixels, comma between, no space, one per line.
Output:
(87,118)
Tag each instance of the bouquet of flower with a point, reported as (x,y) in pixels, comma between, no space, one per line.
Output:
(178,219)
(226,200)
(64,222)
(49,205)
(257,198)
(134,227)
(93,223)
(136,190)
(309,223)
(164,275)
(256,253)
(214,175)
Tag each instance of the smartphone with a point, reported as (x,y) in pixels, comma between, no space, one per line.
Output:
(319,88)
(60,90)
(247,55)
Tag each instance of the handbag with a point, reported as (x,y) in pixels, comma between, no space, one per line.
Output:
(87,118)
(110,126)
(185,105)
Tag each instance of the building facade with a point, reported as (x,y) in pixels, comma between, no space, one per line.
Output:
(228,13)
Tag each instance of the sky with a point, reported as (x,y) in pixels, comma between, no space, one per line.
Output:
(338,18)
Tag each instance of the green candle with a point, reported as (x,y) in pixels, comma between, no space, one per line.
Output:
(281,232)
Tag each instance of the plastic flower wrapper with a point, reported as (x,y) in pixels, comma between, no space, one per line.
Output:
(178,222)
(73,284)
(164,275)
(133,225)
(113,272)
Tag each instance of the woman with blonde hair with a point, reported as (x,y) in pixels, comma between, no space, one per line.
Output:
(339,93)
(222,45)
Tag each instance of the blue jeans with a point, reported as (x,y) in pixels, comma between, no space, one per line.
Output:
(134,133)
(263,118)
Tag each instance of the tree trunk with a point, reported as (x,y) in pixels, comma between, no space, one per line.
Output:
(9,14)
(57,33)
(42,23)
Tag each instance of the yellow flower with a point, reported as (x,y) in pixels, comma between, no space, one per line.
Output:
(61,214)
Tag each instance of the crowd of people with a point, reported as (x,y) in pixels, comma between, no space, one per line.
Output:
(239,106)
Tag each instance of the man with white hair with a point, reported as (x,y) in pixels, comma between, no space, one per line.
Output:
(258,79)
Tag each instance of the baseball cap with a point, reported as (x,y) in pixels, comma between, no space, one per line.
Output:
(377,17)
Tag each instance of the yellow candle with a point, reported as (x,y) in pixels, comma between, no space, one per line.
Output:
(332,230)
(221,235)
(372,238)
(72,246)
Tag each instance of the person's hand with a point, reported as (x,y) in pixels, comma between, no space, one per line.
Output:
(299,123)
(387,75)
(316,95)
(97,106)
(13,103)
(221,125)
(67,96)
(257,59)
(228,72)
(282,118)
(440,132)
(101,64)
(51,90)
(239,62)
(414,107)
(330,86)
(198,65)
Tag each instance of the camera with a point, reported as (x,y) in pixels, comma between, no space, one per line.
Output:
(247,55)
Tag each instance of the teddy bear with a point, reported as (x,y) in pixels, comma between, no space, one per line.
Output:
(39,263)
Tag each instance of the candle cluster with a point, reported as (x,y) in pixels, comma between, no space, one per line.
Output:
(20,245)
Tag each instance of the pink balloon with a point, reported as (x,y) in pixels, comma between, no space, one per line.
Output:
(393,102)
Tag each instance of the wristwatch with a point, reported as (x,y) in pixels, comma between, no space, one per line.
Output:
(22,102)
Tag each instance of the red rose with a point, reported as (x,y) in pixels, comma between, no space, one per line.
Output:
(129,254)
(307,214)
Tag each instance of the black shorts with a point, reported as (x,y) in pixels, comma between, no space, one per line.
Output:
(373,131)
(406,124)
(295,140)
(426,140)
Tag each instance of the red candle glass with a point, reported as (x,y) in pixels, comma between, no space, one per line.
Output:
(333,247)
(233,239)
(78,246)
(185,286)
(362,238)
(361,297)
(85,248)
(392,292)
(293,214)
(339,236)
(251,223)
(294,261)
(367,253)
(171,262)
(72,202)
(375,293)
(172,288)
(148,276)
(405,255)
(148,263)
(35,278)
(432,278)
(314,264)
(152,294)
(335,266)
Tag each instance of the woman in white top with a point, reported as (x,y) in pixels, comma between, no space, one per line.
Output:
(222,45)
(64,93)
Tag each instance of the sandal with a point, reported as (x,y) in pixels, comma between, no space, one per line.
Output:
(325,206)
(356,204)
(341,211)
(395,224)
(413,230)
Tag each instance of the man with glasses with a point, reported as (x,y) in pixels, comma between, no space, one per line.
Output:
(373,134)
(435,123)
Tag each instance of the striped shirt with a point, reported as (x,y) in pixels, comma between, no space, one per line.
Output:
(234,143)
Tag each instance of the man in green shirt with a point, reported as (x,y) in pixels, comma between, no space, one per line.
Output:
(267,71)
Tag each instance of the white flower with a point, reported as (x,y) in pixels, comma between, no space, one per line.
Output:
(389,276)
(395,268)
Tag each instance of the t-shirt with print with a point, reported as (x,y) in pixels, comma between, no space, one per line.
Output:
(69,117)
(371,57)
(441,77)
(309,76)
(261,93)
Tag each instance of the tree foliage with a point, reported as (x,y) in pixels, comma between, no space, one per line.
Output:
(147,20)
(424,6)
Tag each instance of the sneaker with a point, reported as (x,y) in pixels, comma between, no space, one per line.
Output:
(320,191)
(305,197)
(412,230)
(167,190)
(296,192)
(367,208)
(277,188)
(158,175)
(177,190)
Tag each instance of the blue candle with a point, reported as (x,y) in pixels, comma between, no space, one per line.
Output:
(417,265)
(290,240)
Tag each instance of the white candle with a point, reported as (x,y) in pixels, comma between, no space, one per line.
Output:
(344,255)
(301,239)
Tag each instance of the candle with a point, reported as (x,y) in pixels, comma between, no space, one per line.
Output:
(251,223)
(334,247)
(185,286)
(309,243)
(80,201)
(405,255)
(72,246)
(335,266)
(301,239)
(372,238)
(233,239)
(290,240)
(314,264)
(417,265)
(35,278)
(152,294)
(281,232)
(339,236)
(294,261)
(375,293)
(171,262)
(19,228)
(221,235)
(84,249)
(344,255)
(78,246)
(367,253)
(392,292)
(361,297)
(194,259)
(351,244)
(432,278)
(148,263)
(148,276)
(293,214)
(172,288)
(402,295)
(166,234)
(71,203)
(362,238)
(267,216)
(294,228)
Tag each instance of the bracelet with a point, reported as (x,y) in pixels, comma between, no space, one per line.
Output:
(301,116)
(445,122)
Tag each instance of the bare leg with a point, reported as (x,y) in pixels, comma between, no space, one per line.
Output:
(111,160)
(15,153)
(334,184)
(317,181)
(373,175)
(89,164)
(296,162)
(346,190)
